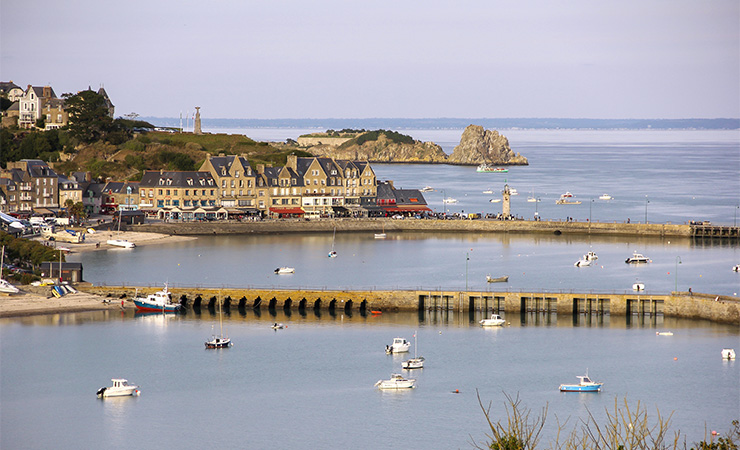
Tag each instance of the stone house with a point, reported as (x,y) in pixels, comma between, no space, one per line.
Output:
(31,104)
(235,179)
(181,191)
(35,181)
(10,90)
(119,196)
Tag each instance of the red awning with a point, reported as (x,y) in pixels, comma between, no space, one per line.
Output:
(286,210)
(406,208)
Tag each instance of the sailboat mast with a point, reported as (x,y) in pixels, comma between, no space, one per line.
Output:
(220,320)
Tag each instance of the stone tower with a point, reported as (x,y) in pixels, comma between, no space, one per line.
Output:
(196,128)
(506,210)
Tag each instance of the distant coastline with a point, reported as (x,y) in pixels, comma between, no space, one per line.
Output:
(461,123)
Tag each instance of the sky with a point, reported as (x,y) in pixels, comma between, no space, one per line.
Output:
(628,59)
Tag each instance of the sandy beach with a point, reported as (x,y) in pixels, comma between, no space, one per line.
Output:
(97,240)
(33,303)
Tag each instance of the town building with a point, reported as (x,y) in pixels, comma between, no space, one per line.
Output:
(186,195)
(32,103)
(33,184)
(119,196)
(236,181)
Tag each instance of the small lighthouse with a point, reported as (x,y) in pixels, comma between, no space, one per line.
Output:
(196,128)
(506,210)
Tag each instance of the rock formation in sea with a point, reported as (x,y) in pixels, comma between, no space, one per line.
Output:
(383,149)
(478,145)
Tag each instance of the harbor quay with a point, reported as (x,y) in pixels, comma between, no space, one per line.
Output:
(375,225)
(721,309)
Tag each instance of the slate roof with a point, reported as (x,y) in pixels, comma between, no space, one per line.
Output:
(177,179)
(39,169)
(119,187)
(6,86)
(225,162)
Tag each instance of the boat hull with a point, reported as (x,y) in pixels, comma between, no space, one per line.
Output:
(579,388)
(413,363)
(219,343)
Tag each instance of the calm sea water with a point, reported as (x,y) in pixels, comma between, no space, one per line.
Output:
(310,385)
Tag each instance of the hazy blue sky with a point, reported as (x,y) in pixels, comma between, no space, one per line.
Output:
(399,58)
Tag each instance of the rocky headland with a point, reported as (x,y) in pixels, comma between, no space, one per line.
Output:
(477,146)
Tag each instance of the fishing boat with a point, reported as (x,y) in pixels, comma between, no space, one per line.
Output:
(120,388)
(417,362)
(397,381)
(485,168)
(332,253)
(399,345)
(584,385)
(728,353)
(121,243)
(284,270)
(219,341)
(605,197)
(5,286)
(160,301)
(637,258)
(494,321)
(503,279)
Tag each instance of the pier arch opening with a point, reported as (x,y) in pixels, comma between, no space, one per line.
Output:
(257,302)
(288,304)
(348,306)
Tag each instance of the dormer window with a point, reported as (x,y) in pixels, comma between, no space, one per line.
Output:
(202,182)
(161,181)
(249,172)
(169,181)
(223,171)
(210,182)
(190,181)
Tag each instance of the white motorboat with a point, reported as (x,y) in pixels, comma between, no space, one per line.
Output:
(427,189)
(120,388)
(417,362)
(637,258)
(5,286)
(397,381)
(495,200)
(488,191)
(664,333)
(532,200)
(121,243)
(591,256)
(566,195)
(284,270)
(513,191)
(728,353)
(494,321)
(449,201)
(399,345)
(583,262)
(638,287)
(605,197)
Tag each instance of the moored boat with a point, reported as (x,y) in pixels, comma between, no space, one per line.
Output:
(399,345)
(120,388)
(638,287)
(583,262)
(637,258)
(397,381)
(664,333)
(584,385)
(494,321)
(728,353)
(160,301)
(121,243)
(219,341)
(449,200)
(284,270)
(605,197)
(417,362)
(5,286)
(503,279)
(427,189)
(485,168)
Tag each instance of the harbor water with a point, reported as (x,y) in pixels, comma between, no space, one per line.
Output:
(310,385)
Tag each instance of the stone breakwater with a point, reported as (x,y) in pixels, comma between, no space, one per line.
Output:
(721,309)
(416,225)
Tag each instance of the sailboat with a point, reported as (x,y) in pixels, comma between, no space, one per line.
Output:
(120,242)
(417,362)
(380,235)
(219,341)
(5,286)
(332,253)
(532,198)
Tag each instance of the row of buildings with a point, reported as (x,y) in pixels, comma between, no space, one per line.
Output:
(225,186)
(36,102)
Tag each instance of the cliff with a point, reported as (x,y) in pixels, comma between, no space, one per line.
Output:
(382,147)
(478,145)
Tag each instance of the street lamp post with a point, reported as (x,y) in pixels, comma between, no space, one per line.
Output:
(444,201)
(536,205)
(589,210)
(467,258)
(734,223)
(678,261)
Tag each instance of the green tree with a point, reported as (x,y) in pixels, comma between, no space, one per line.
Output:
(76,209)
(88,116)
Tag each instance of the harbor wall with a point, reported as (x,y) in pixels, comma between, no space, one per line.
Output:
(418,225)
(722,309)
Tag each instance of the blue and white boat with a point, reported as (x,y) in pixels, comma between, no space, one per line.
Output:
(584,385)
(160,301)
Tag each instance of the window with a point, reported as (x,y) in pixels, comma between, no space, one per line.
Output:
(186,203)
(174,192)
(167,192)
(237,174)
(223,183)
(160,191)
(175,202)
(160,203)
(241,183)
(187,192)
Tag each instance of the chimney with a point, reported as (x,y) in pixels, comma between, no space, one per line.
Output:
(260,169)
(47,92)
(292,162)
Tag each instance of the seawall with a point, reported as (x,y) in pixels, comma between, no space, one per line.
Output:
(419,225)
(721,309)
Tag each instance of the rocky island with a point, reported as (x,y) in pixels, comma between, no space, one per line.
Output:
(477,146)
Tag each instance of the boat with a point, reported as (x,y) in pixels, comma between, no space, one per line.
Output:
(399,345)
(664,333)
(488,191)
(566,195)
(591,256)
(605,197)
(494,321)
(638,287)
(532,198)
(284,270)
(219,341)
(728,353)
(160,301)
(637,258)
(503,279)
(565,201)
(427,189)
(583,262)
(5,286)
(332,253)
(381,235)
(417,362)
(278,326)
(584,385)
(121,243)
(120,388)
(485,168)
(449,200)
(736,268)
(513,191)
(495,200)
(397,381)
